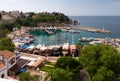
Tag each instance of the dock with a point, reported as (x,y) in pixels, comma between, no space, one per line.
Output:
(76,28)
(99,30)
(89,29)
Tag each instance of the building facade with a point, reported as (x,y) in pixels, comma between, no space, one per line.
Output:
(7,60)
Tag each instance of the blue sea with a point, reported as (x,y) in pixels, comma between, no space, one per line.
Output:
(111,23)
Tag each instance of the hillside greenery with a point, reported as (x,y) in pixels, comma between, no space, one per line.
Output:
(34,20)
(102,62)
(67,66)
(6,44)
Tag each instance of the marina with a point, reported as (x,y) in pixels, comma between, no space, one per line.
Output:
(61,43)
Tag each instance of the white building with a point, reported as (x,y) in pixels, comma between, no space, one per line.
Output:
(7,60)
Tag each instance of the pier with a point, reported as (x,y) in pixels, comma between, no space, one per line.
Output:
(89,29)
(72,28)
(99,30)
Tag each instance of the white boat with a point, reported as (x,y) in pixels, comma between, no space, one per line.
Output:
(31,47)
(65,48)
(38,46)
(65,30)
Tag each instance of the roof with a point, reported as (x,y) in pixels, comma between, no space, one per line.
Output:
(22,62)
(38,62)
(19,64)
(7,54)
(1,64)
(15,68)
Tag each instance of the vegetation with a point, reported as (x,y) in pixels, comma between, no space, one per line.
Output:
(68,63)
(102,62)
(65,69)
(42,18)
(61,75)
(32,20)
(47,69)
(6,28)
(27,77)
(50,63)
(6,44)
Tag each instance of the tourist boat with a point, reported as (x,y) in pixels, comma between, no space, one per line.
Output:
(38,46)
(84,39)
(43,49)
(73,50)
(65,49)
(95,42)
(64,30)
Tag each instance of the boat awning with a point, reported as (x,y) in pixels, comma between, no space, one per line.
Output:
(72,47)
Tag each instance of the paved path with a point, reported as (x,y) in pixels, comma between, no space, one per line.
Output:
(84,76)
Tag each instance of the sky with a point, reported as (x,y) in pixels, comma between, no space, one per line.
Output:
(68,7)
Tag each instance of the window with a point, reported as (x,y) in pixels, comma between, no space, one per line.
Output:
(2,76)
(12,61)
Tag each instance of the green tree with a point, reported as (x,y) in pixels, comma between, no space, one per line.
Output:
(27,77)
(97,59)
(60,75)
(6,44)
(68,63)
(103,74)
(0,16)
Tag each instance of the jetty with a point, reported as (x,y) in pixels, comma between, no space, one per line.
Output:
(99,30)
(84,28)
(72,29)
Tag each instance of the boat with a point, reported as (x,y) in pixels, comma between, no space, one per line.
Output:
(64,30)
(38,46)
(73,50)
(65,49)
(84,39)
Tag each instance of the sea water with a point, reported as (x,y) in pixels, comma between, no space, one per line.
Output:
(111,23)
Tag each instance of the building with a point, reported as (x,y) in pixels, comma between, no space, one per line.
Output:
(7,60)
(3,68)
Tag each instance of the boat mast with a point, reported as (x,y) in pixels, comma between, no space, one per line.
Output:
(59,38)
(72,39)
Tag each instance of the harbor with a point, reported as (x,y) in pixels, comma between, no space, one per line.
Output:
(64,43)
(72,29)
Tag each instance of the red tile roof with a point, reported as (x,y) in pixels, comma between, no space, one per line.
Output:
(7,54)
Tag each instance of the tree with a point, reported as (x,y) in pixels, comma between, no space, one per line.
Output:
(6,44)
(68,63)
(103,74)
(0,16)
(27,77)
(99,60)
(60,75)
(79,47)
